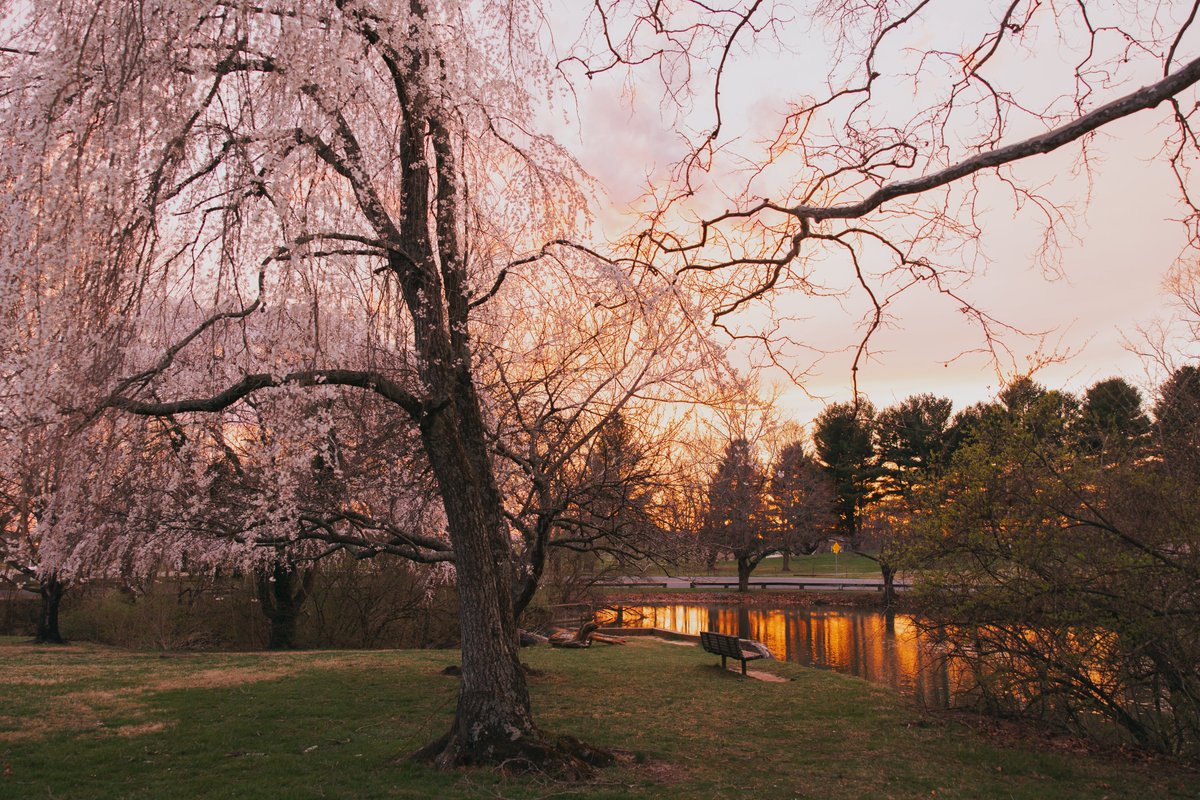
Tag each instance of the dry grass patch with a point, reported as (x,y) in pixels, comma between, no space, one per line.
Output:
(76,712)
(219,678)
(70,702)
(138,730)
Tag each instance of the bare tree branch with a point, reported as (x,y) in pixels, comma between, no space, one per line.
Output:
(1146,97)
(362,379)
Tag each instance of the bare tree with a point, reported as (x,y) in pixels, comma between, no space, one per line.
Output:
(735,516)
(576,383)
(801,501)
(900,125)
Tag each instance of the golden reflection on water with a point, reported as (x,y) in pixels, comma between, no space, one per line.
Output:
(883,648)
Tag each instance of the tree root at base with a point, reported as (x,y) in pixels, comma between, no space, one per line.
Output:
(561,757)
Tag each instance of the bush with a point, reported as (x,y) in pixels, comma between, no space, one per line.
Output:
(1068,585)
(352,604)
(18,615)
(379,603)
(167,617)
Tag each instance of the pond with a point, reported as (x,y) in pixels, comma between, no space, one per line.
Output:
(883,648)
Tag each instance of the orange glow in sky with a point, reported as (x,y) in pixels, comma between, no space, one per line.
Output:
(1109,284)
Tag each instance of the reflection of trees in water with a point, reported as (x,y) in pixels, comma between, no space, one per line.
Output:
(882,648)
(622,616)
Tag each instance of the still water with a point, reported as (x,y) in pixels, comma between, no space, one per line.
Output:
(883,648)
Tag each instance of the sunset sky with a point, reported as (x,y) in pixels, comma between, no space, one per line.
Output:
(1111,277)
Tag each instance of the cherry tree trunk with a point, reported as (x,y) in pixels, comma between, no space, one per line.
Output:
(493,723)
(282,590)
(493,719)
(51,591)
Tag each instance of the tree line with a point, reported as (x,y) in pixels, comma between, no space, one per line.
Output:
(1053,540)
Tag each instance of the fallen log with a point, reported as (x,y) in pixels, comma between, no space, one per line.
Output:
(604,638)
(581,638)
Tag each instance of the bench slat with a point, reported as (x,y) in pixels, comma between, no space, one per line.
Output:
(726,646)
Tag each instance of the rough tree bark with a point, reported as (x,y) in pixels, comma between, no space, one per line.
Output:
(282,589)
(51,590)
(745,566)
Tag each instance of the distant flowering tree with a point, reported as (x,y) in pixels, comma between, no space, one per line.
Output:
(30,465)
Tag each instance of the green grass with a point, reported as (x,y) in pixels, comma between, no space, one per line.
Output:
(92,722)
(846,564)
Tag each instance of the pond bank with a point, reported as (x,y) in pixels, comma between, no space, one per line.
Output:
(769,598)
(883,648)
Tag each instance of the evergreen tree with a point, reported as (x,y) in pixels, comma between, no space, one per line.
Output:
(801,501)
(844,436)
(912,439)
(1177,419)
(1112,418)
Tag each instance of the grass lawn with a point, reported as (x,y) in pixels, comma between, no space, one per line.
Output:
(845,564)
(92,722)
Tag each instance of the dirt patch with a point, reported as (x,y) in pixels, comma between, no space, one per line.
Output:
(766,676)
(29,680)
(29,664)
(30,729)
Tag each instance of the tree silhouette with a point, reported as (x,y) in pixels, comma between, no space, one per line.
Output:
(912,440)
(1177,419)
(1112,418)
(844,438)
(735,520)
(801,500)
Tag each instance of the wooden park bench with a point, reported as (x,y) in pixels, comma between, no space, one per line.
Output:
(727,647)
